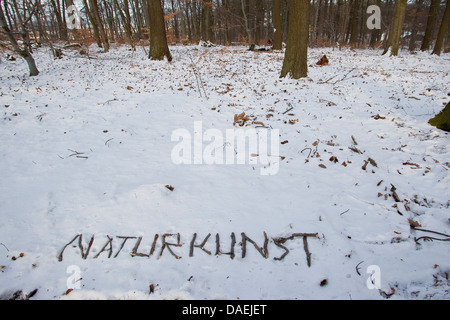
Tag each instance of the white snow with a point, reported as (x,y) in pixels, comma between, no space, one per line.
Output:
(86,149)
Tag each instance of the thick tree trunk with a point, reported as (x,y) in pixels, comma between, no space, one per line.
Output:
(24,53)
(430,25)
(442,120)
(296,56)
(395,32)
(158,39)
(277,25)
(205,24)
(442,30)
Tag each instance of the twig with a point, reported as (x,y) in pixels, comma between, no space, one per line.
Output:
(123,243)
(431,231)
(233,242)
(305,247)
(310,150)
(291,108)
(197,77)
(201,246)
(280,241)
(345,76)
(60,256)
(108,141)
(5,246)
(357,268)
(262,251)
(104,247)
(432,238)
(168,245)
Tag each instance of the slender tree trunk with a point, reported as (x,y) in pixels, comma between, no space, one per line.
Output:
(205,25)
(430,25)
(277,25)
(62,29)
(158,39)
(412,40)
(24,53)
(395,32)
(93,23)
(247,23)
(296,57)
(442,30)
(126,21)
(101,30)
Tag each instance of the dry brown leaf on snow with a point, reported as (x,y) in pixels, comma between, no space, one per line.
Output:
(413,224)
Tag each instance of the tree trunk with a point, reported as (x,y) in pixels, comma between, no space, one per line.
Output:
(442,30)
(205,24)
(442,120)
(158,39)
(24,53)
(430,25)
(126,18)
(395,32)
(417,12)
(62,28)
(93,23)
(277,25)
(101,30)
(296,57)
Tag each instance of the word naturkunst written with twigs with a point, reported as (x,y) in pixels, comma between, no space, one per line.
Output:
(172,244)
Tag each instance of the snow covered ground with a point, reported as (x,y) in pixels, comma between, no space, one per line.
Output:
(86,149)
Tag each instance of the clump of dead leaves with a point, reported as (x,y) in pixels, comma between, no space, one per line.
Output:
(246,120)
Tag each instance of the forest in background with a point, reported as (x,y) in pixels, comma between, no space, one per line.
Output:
(224,22)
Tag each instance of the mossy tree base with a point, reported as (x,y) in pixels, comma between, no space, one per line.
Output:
(442,120)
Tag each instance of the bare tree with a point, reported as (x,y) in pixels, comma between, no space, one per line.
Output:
(430,25)
(23,52)
(442,30)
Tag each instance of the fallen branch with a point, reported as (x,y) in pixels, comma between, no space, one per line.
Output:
(343,78)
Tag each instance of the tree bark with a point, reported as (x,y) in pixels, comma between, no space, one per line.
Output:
(430,25)
(442,30)
(442,120)
(101,30)
(395,32)
(277,25)
(295,60)
(158,39)
(417,12)
(93,23)
(205,24)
